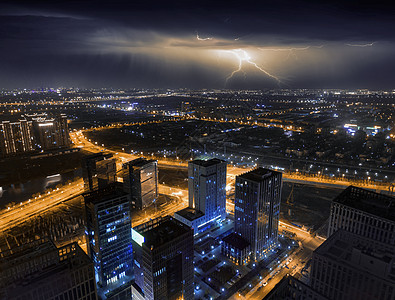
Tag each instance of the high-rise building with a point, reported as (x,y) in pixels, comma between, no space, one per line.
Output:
(163,260)
(350,266)
(140,180)
(365,213)
(50,132)
(62,129)
(15,137)
(257,209)
(40,270)
(33,132)
(45,133)
(108,230)
(98,171)
(207,190)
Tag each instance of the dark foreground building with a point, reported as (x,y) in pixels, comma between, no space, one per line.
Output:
(140,180)
(290,288)
(40,270)
(365,213)
(98,171)
(163,260)
(349,266)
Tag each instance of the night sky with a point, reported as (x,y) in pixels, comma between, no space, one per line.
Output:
(197,44)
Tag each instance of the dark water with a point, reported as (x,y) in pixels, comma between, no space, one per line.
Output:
(23,191)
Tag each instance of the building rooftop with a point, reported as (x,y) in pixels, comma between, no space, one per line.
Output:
(163,231)
(236,240)
(111,191)
(207,163)
(34,248)
(139,162)
(289,286)
(370,202)
(361,253)
(97,155)
(37,261)
(190,214)
(259,174)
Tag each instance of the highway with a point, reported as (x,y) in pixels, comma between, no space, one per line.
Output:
(292,265)
(79,140)
(12,216)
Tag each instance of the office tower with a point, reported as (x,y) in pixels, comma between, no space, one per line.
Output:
(108,230)
(257,209)
(290,288)
(140,180)
(39,270)
(207,189)
(163,260)
(62,131)
(365,213)
(16,137)
(98,171)
(350,266)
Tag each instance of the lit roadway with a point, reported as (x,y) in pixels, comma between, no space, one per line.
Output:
(80,141)
(21,212)
(294,263)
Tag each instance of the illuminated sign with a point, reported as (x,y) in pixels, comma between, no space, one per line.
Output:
(137,237)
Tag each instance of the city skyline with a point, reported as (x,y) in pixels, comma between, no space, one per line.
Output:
(197,150)
(283,44)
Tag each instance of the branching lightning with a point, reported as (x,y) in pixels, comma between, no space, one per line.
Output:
(244,57)
(291,51)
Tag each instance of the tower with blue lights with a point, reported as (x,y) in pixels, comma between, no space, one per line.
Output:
(109,239)
(257,209)
(207,189)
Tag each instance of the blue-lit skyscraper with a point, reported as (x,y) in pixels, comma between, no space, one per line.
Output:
(257,209)
(163,260)
(207,190)
(109,235)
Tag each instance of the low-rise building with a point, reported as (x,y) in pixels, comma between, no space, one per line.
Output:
(236,249)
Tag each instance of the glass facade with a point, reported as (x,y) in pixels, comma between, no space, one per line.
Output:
(163,262)
(257,209)
(140,180)
(109,236)
(207,189)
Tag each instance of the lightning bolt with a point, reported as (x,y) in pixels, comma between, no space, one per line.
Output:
(243,57)
(202,39)
(361,45)
(291,51)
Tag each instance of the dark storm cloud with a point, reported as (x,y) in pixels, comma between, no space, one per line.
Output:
(143,43)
